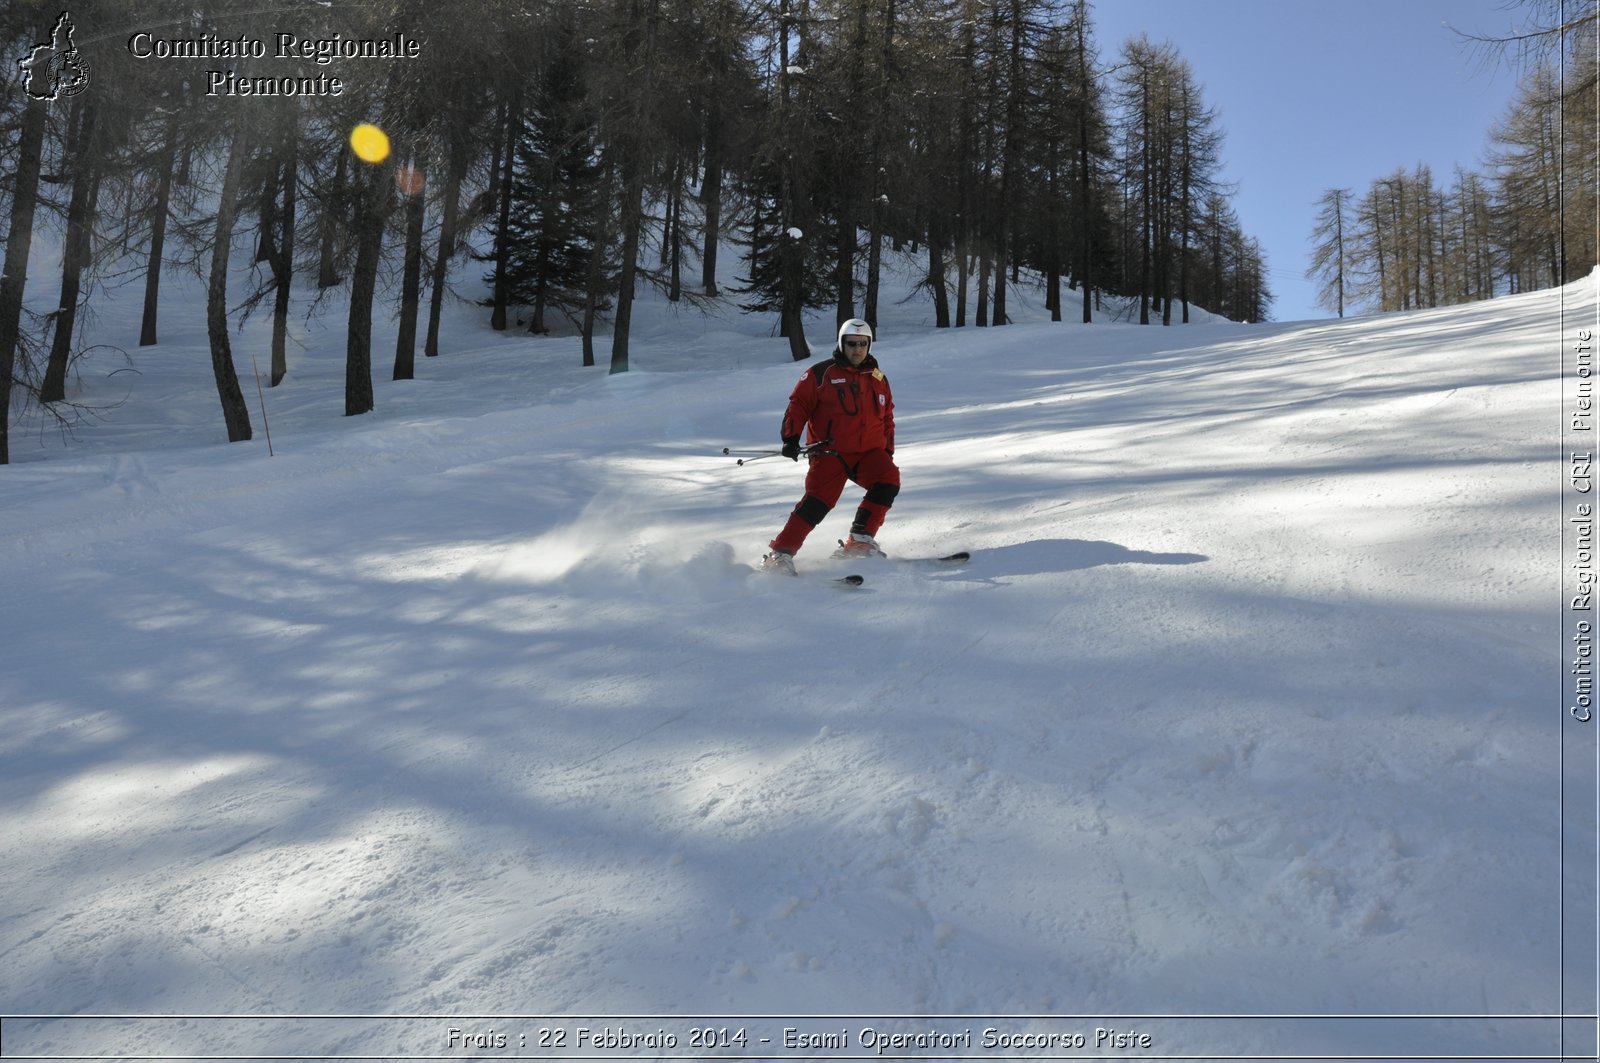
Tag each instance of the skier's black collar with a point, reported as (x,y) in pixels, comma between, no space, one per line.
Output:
(868,364)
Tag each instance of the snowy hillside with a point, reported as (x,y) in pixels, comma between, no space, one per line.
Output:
(474,707)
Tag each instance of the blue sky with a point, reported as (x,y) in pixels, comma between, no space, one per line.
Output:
(1312,96)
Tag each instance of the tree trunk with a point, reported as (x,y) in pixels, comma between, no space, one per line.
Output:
(267,213)
(283,264)
(711,199)
(502,235)
(1145,206)
(158,238)
(791,254)
(330,224)
(1001,252)
(941,298)
(75,253)
(1085,276)
(19,241)
(791,312)
(1010,163)
(405,347)
(371,197)
(844,268)
(1168,192)
(981,315)
(963,268)
(673,244)
(632,222)
(450,213)
(875,209)
(869,309)
(1081,269)
(235,414)
(595,281)
(591,299)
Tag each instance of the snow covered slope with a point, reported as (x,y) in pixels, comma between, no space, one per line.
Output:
(474,706)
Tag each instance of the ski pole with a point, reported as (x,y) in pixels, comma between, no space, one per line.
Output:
(750,455)
(813,448)
(762,455)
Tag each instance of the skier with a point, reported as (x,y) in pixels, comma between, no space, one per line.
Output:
(843,403)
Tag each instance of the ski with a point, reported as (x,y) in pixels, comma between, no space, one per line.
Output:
(960,557)
(852,580)
(957,558)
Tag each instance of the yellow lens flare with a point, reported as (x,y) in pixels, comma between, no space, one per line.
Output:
(370,143)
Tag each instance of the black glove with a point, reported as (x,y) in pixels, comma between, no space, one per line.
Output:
(791,448)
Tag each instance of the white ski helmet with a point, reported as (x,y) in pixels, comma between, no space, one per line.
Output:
(854,327)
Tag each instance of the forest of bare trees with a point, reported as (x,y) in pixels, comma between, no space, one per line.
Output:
(580,150)
(1417,239)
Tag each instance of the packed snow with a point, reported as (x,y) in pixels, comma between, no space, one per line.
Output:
(1241,724)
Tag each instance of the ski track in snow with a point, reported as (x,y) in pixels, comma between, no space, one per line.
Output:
(474,705)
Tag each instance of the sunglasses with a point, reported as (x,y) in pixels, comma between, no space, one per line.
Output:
(857,343)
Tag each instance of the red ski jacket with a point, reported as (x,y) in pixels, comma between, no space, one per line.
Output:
(850,405)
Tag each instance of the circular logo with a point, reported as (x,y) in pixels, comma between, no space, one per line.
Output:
(69,74)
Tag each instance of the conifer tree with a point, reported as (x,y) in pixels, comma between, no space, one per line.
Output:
(784,265)
(1015,26)
(1145,105)
(1530,161)
(1330,260)
(1091,151)
(786,273)
(927,194)
(551,229)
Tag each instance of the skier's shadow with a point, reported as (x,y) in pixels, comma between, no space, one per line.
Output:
(1063,555)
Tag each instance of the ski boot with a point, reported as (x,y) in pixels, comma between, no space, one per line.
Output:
(778,561)
(859,545)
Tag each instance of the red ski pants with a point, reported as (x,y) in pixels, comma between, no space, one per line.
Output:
(875,470)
